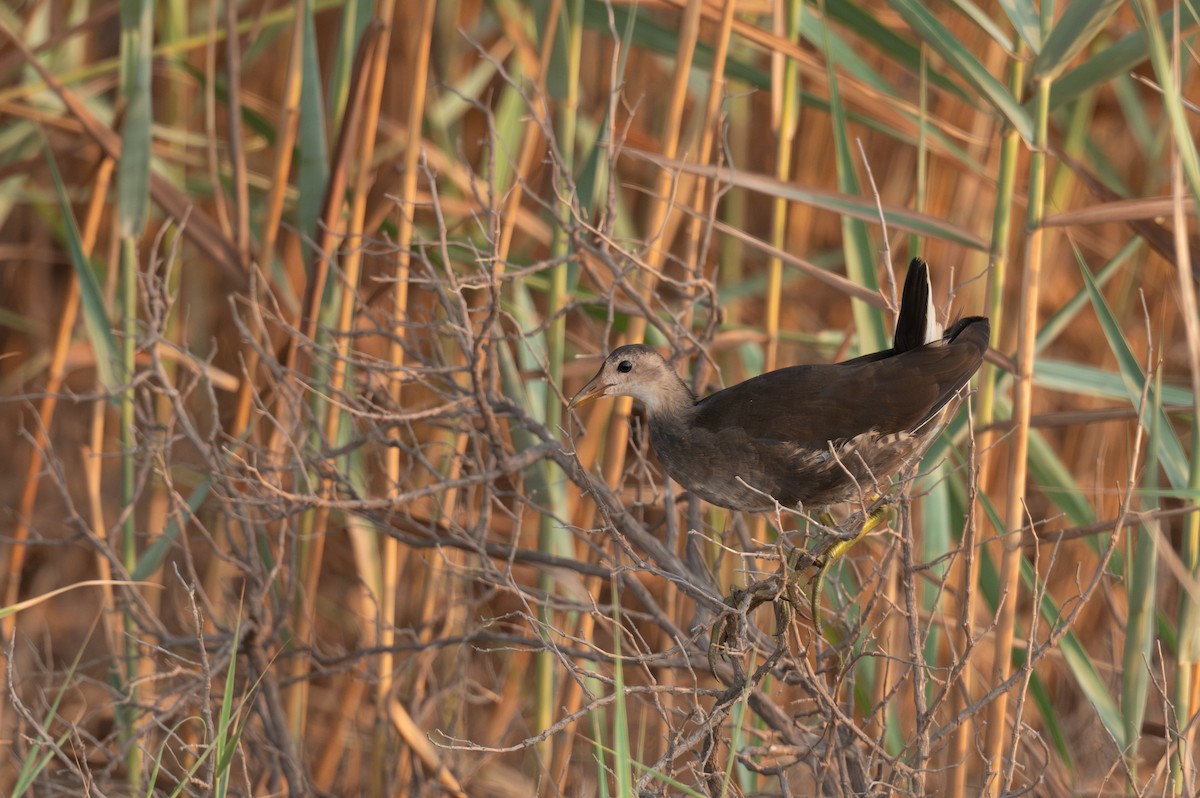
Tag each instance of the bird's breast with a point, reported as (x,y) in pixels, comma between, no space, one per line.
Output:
(730,469)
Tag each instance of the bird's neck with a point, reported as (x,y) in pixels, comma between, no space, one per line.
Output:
(672,400)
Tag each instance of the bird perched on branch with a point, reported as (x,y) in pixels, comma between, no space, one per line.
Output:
(805,437)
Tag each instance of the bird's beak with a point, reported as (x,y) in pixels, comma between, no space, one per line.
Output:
(593,390)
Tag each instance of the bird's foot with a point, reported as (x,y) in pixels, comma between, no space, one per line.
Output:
(730,633)
(834,552)
(783,590)
(728,638)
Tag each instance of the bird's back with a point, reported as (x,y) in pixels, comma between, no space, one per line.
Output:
(818,434)
(813,404)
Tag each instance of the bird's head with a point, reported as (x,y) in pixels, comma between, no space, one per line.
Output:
(638,371)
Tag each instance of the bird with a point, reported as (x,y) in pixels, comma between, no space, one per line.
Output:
(804,437)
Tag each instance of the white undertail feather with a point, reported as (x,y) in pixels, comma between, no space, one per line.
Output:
(933,330)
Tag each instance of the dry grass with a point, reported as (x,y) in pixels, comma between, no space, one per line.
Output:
(284,397)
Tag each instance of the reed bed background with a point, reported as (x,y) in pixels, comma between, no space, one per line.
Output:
(294,295)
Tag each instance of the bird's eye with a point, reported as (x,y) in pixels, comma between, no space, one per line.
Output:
(625,367)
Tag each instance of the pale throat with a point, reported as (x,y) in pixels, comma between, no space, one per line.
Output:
(666,398)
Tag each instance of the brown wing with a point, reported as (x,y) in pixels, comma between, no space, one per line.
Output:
(811,405)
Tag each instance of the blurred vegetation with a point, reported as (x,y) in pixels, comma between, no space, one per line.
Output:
(294,293)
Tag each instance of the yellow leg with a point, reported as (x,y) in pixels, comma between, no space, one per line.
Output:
(835,552)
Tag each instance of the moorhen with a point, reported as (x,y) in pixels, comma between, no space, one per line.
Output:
(805,437)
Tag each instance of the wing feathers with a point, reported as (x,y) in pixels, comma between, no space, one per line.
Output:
(812,405)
